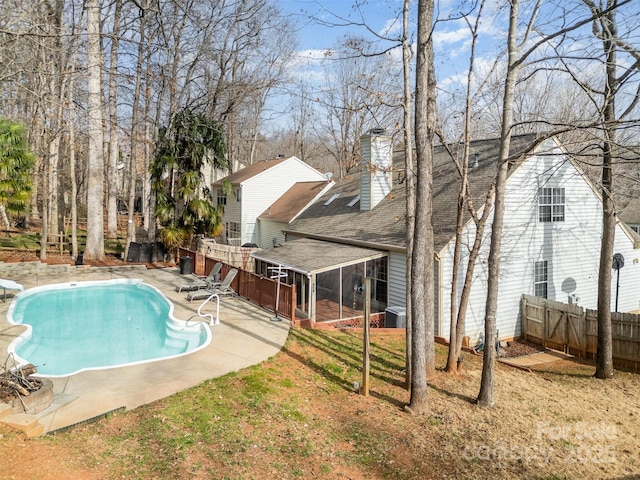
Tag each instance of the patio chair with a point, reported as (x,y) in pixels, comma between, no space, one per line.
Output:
(222,288)
(10,285)
(201,281)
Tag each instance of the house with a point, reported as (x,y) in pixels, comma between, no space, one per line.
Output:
(254,188)
(277,217)
(550,246)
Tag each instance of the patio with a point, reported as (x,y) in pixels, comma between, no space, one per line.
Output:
(244,337)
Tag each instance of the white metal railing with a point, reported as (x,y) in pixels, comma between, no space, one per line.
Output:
(212,321)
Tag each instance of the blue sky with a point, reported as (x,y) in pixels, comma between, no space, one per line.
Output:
(451,38)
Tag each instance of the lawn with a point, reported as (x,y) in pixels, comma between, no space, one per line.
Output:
(297,416)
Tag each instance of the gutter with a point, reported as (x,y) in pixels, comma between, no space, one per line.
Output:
(346,241)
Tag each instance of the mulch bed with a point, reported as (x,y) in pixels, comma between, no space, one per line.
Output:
(519,347)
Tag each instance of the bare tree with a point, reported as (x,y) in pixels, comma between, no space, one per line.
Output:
(114,144)
(617,85)
(410,185)
(95,229)
(355,99)
(422,308)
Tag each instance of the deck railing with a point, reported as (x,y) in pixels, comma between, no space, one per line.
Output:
(257,289)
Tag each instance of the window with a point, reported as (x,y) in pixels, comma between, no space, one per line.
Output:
(353,201)
(540,279)
(222,197)
(238,194)
(551,204)
(635,228)
(333,197)
(233,230)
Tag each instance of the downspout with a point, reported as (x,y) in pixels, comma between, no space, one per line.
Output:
(439,316)
(312,298)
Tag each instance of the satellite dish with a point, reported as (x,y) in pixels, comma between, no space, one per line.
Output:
(618,261)
(328,175)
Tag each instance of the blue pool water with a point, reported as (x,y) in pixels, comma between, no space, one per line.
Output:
(93,325)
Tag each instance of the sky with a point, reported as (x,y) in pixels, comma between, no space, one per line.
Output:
(320,24)
(451,39)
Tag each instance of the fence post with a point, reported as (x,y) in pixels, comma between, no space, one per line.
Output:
(545,323)
(583,340)
(523,316)
(293,303)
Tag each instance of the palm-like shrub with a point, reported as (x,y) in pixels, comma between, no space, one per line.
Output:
(16,171)
(184,206)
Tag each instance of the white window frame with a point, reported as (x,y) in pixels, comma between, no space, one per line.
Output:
(541,279)
(222,197)
(551,203)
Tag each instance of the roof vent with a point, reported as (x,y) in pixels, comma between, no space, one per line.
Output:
(280,155)
(476,156)
(377,131)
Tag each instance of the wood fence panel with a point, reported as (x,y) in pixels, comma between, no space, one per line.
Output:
(575,330)
(555,327)
(533,319)
(577,334)
(255,288)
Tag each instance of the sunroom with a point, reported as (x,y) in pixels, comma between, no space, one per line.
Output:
(328,277)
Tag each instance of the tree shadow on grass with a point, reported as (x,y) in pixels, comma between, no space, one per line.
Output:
(345,353)
(452,394)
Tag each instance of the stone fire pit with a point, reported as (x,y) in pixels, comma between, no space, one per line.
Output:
(23,392)
(36,401)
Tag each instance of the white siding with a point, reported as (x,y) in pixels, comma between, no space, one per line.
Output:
(268,230)
(260,191)
(397,279)
(375,181)
(232,210)
(571,249)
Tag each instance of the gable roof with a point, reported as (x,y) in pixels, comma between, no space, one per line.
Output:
(385,225)
(251,171)
(293,201)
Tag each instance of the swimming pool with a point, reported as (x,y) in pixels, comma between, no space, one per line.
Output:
(79,326)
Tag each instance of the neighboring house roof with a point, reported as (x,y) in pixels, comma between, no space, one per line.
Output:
(385,225)
(250,171)
(293,201)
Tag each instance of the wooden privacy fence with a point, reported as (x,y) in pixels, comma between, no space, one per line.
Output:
(574,329)
(255,288)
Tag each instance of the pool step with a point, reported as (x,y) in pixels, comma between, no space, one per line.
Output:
(28,424)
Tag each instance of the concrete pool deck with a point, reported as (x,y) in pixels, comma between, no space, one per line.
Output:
(244,337)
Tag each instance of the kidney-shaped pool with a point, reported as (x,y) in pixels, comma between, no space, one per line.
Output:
(93,325)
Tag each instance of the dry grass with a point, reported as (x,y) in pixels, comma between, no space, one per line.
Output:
(296,416)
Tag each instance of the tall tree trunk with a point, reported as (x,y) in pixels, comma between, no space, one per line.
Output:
(485,396)
(422,341)
(136,147)
(95,181)
(410,180)
(604,350)
(458,311)
(72,162)
(112,164)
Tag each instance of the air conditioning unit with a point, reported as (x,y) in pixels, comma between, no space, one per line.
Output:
(395,317)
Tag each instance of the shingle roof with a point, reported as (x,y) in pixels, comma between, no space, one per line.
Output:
(385,225)
(293,201)
(252,170)
(306,255)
